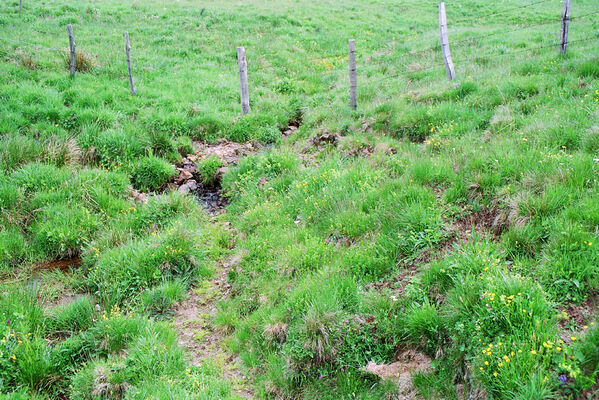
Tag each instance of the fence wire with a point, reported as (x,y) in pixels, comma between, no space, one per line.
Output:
(504,11)
(405,68)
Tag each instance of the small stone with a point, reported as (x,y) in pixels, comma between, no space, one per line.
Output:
(184,175)
(139,196)
(192,184)
(189,186)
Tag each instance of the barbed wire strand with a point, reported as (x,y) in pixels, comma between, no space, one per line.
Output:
(503,12)
(411,53)
(458,43)
(338,89)
(455,44)
(39,46)
(488,55)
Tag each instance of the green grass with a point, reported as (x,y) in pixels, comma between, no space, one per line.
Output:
(208,169)
(350,251)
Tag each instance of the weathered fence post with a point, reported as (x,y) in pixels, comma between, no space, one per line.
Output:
(19,6)
(72,46)
(352,75)
(127,50)
(445,43)
(565,25)
(243,78)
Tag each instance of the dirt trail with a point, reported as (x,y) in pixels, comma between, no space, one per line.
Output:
(194,317)
(200,338)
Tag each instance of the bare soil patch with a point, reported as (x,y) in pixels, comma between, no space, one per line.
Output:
(485,222)
(63,265)
(579,316)
(200,338)
(409,361)
(229,152)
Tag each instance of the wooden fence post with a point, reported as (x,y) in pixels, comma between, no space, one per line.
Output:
(352,75)
(19,6)
(445,43)
(127,50)
(565,25)
(243,78)
(72,46)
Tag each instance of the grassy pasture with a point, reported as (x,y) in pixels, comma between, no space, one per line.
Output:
(348,252)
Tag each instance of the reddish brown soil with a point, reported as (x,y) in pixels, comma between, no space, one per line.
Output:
(583,315)
(63,265)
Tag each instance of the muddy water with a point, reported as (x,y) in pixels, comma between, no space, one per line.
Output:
(211,198)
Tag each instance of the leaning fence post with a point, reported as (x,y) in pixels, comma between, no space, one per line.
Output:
(72,46)
(565,25)
(352,74)
(127,50)
(445,42)
(243,78)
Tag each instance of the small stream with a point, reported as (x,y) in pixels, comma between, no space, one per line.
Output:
(211,198)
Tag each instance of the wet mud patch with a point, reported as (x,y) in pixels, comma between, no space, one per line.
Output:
(48,268)
(211,197)
(62,265)
(51,281)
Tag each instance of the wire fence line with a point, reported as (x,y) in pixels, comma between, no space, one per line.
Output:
(477,57)
(469,20)
(495,13)
(471,39)
(335,90)
(39,46)
(476,38)
(405,68)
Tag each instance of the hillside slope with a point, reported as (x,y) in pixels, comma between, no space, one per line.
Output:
(439,242)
